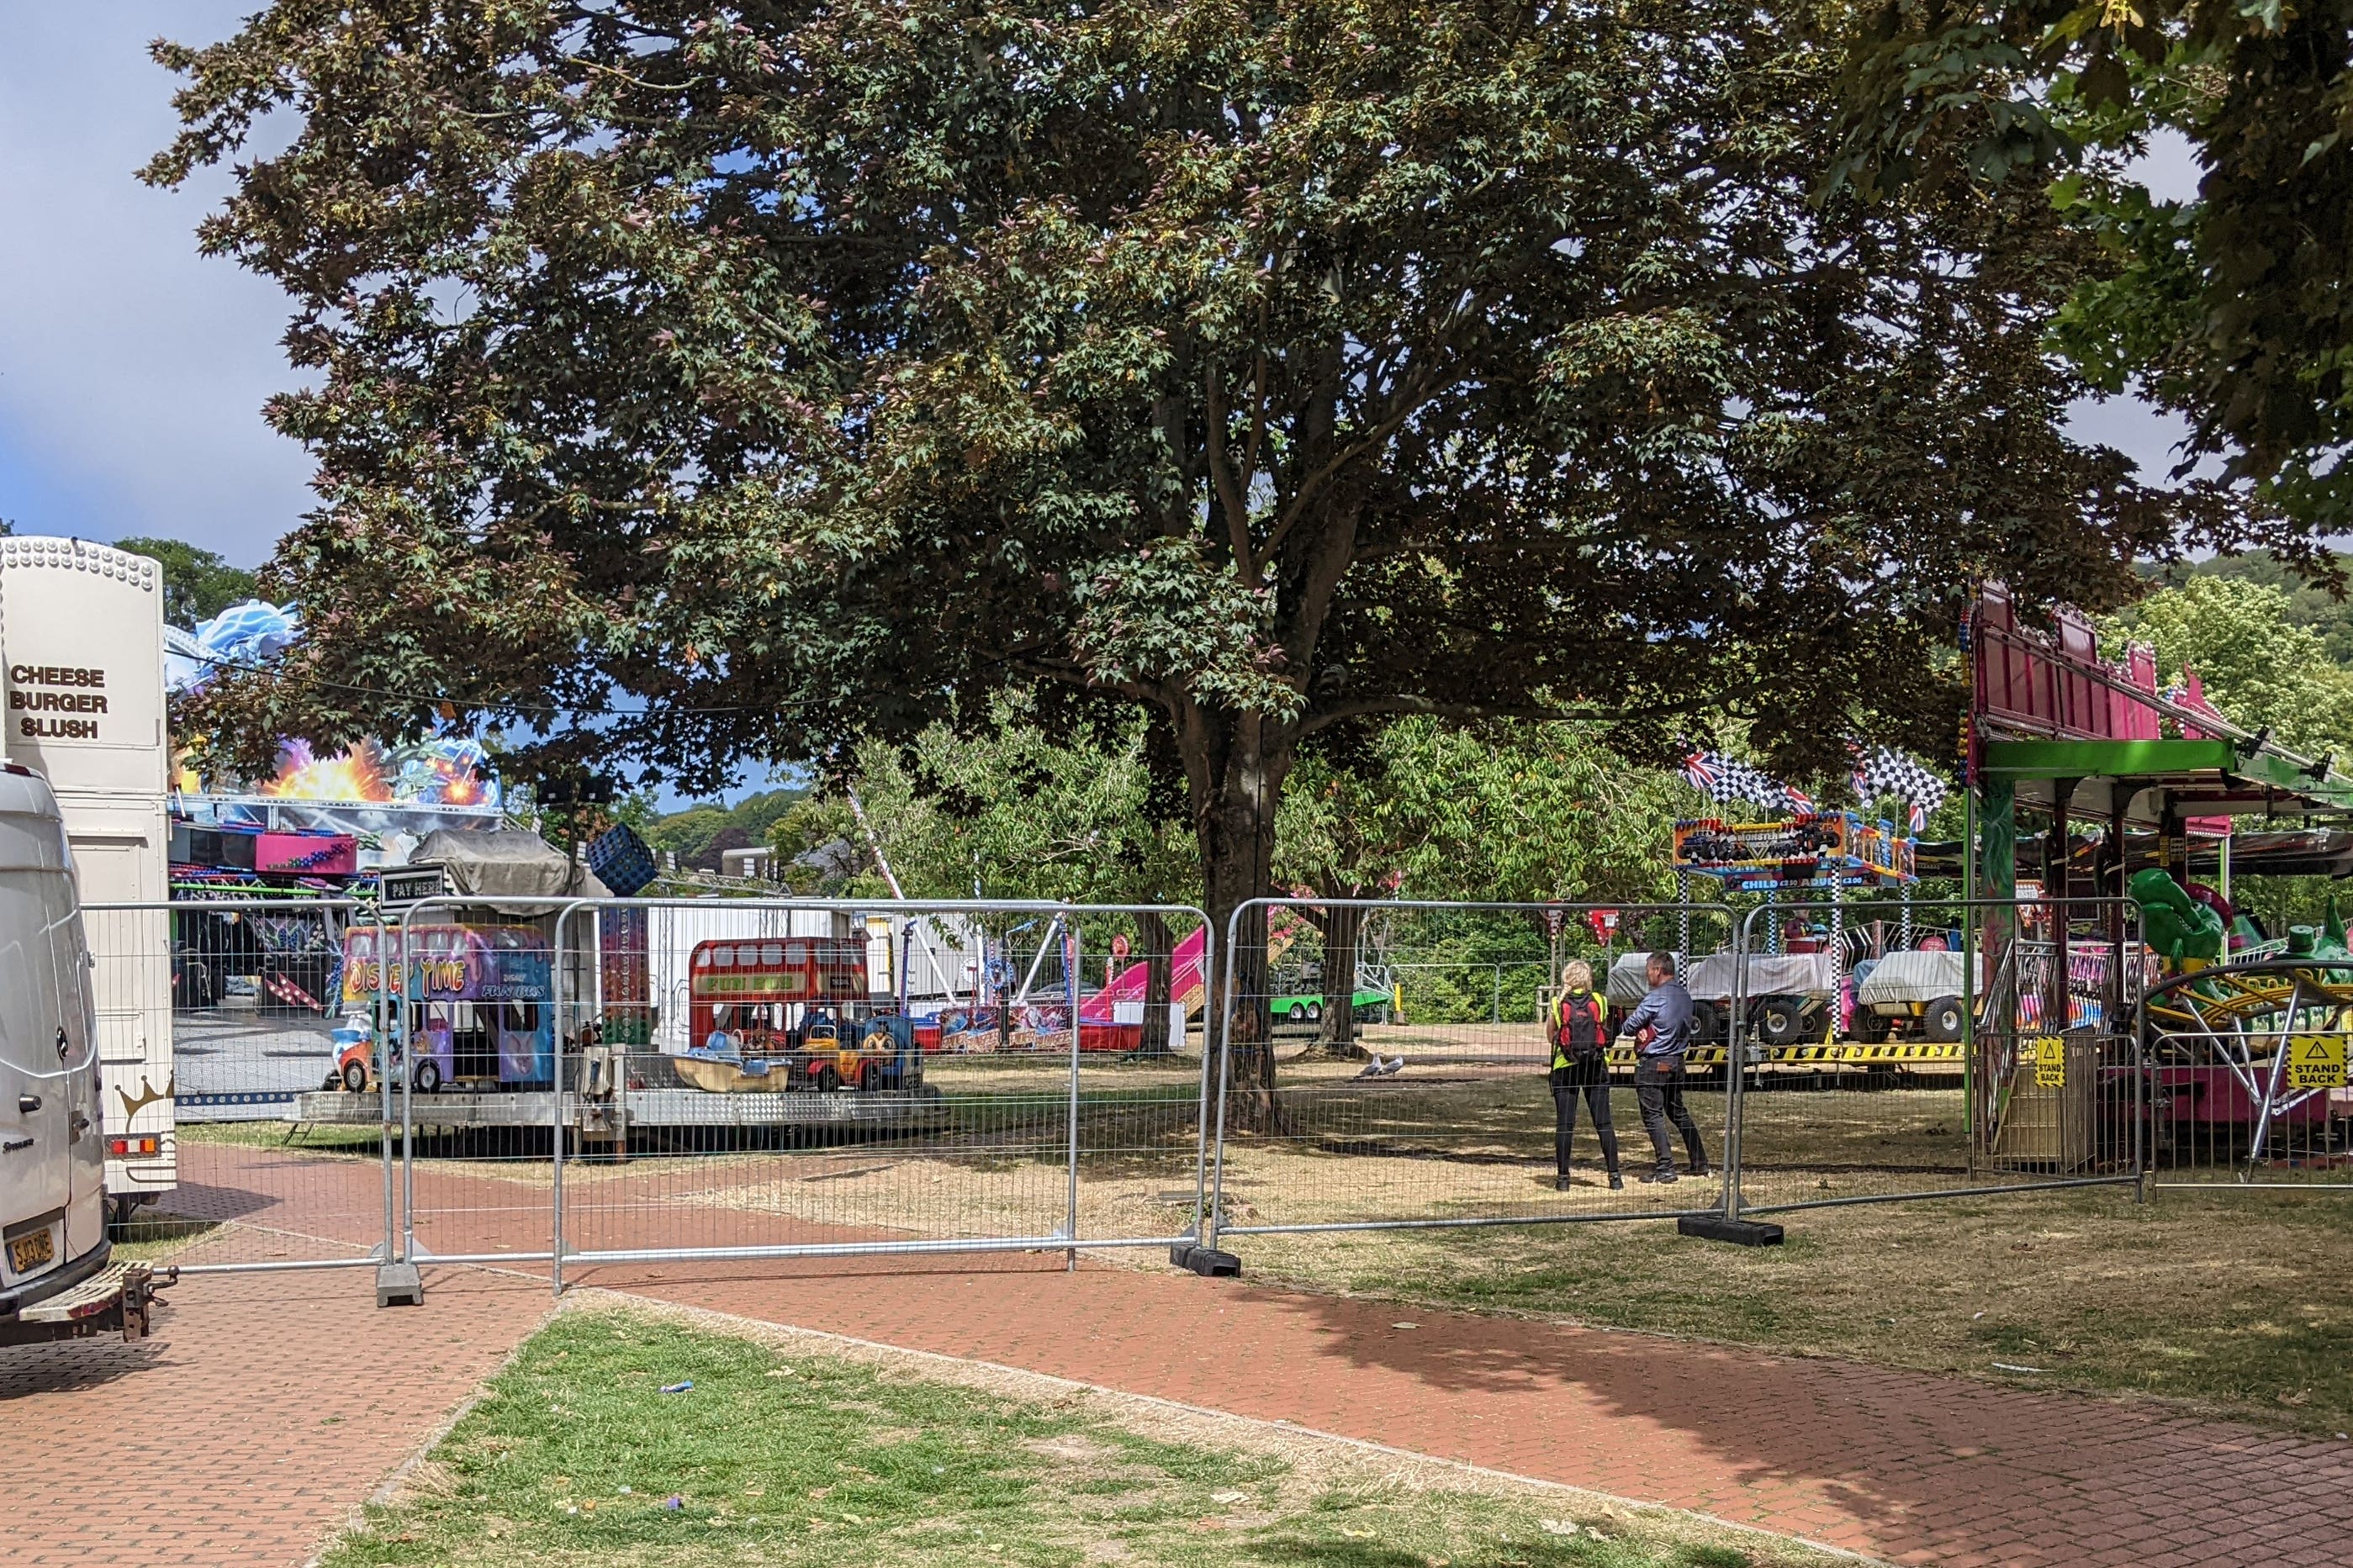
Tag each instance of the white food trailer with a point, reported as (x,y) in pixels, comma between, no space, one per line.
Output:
(82,640)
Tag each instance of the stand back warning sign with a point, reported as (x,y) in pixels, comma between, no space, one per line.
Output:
(2050,1062)
(2315,1061)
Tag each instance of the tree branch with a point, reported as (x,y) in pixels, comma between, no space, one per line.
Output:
(1232,498)
(1467,712)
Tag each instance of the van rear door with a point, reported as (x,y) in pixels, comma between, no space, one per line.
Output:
(76,1036)
(37,1096)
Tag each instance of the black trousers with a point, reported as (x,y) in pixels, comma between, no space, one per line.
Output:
(1659,1090)
(1591,1081)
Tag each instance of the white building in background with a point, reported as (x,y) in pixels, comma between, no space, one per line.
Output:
(81,643)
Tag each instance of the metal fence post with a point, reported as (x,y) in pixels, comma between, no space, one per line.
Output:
(555,1128)
(1223,1005)
(1209,957)
(407,1098)
(1071,983)
(382,1045)
(1736,1051)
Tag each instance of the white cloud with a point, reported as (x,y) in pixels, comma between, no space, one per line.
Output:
(133,369)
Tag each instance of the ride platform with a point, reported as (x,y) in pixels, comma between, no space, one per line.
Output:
(919,1110)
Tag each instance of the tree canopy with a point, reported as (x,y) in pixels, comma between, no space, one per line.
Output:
(197,583)
(692,833)
(2309,603)
(696,382)
(1013,812)
(2253,660)
(2230,307)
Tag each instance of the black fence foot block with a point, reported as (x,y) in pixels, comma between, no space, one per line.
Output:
(1739,1232)
(1206,1261)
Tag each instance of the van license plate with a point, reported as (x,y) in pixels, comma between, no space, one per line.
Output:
(27,1253)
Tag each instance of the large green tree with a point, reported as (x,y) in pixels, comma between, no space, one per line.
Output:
(1500,812)
(699,380)
(1011,811)
(2230,306)
(2253,660)
(197,582)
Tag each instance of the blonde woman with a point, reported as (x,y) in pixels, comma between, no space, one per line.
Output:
(1581,1046)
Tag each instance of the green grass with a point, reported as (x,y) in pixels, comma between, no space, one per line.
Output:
(151,1238)
(572,1456)
(309,1138)
(2230,1303)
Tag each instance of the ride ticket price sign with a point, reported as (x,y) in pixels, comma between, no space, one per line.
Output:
(2315,1061)
(2050,1062)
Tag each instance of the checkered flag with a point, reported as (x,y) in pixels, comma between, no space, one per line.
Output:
(1727,779)
(1883,771)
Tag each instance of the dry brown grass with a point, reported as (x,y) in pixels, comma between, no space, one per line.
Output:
(2228,1303)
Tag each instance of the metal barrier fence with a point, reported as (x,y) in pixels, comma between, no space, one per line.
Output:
(217,1019)
(2247,1076)
(746,1079)
(1370,1120)
(1915,1074)
(632,1083)
(1442,1116)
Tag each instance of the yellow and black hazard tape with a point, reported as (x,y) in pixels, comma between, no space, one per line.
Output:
(1851,1051)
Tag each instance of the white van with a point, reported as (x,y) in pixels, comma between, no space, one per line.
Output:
(57,1277)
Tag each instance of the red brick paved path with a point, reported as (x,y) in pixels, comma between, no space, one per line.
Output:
(1896,1464)
(1901,1465)
(262,1410)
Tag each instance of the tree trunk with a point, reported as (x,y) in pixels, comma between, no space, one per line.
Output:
(1343,925)
(1235,764)
(1152,931)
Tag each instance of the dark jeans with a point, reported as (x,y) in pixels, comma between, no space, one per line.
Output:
(1595,1087)
(1659,1089)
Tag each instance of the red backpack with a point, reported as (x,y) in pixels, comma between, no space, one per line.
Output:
(1577,1034)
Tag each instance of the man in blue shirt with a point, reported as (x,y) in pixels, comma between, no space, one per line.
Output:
(1661,1031)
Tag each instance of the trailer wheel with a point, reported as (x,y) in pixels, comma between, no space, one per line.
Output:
(1872,1027)
(1315,1012)
(1781,1021)
(1299,1012)
(355,1077)
(427,1076)
(1943,1022)
(1706,1024)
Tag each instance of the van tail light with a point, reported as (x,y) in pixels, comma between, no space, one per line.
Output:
(146,1145)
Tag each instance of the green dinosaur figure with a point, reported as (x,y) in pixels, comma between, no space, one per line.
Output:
(2175,925)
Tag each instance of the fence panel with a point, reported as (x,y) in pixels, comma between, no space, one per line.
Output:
(2247,1074)
(1880,1067)
(218,1028)
(1385,1065)
(738,1078)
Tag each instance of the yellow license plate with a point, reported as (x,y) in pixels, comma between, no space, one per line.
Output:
(27,1253)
